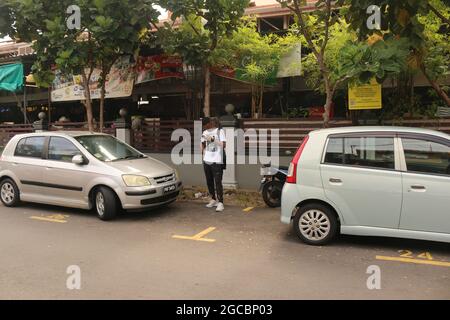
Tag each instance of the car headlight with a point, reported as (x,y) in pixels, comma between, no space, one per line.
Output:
(177,175)
(135,181)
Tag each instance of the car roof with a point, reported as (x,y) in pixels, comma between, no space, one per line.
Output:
(72,134)
(358,129)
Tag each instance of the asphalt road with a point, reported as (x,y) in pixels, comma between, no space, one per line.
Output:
(249,255)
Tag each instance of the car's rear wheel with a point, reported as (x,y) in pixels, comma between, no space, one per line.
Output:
(9,193)
(106,203)
(315,224)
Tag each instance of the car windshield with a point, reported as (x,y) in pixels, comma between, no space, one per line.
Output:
(107,148)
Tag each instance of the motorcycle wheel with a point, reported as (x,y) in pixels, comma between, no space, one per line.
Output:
(271,193)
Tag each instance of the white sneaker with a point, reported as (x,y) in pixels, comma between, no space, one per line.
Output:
(220,207)
(212,204)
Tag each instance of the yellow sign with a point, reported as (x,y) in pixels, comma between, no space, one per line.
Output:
(366,96)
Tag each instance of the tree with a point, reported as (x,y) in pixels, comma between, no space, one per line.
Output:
(108,29)
(317,37)
(254,57)
(356,62)
(435,63)
(339,38)
(205,24)
(6,20)
(118,30)
(361,61)
(440,9)
(336,56)
(421,22)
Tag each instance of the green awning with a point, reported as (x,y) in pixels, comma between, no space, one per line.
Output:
(11,77)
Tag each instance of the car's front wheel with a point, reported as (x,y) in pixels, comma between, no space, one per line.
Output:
(106,203)
(315,224)
(9,193)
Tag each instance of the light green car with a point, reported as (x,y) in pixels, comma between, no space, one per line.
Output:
(370,181)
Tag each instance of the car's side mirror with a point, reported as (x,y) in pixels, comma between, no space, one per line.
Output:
(78,159)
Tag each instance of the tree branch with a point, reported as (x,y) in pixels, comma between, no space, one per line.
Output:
(154,25)
(299,12)
(327,26)
(193,27)
(339,81)
(438,14)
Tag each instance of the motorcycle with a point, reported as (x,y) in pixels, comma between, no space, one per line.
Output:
(272,184)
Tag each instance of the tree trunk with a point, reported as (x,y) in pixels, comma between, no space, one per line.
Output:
(261,97)
(102,106)
(88,103)
(329,100)
(411,89)
(441,93)
(187,106)
(329,90)
(253,112)
(207,97)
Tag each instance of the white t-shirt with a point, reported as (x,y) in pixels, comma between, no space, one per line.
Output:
(213,150)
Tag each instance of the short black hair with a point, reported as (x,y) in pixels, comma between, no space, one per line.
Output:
(206,120)
(215,121)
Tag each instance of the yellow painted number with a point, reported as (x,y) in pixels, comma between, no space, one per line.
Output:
(406,254)
(410,255)
(425,255)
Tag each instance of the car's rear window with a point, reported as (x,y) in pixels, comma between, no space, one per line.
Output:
(371,152)
(31,147)
(423,156)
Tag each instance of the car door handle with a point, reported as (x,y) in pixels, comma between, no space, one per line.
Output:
(417,188)
(335,181)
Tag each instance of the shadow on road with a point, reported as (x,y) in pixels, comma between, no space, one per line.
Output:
(146,215)
(380,243)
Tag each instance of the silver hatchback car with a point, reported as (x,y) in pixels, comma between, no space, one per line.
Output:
(84,170)
(370,181)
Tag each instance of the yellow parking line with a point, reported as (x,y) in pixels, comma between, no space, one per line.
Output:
(416,261)
(192,238)
(199,236)
(48,219)
(204,233)
(248,209)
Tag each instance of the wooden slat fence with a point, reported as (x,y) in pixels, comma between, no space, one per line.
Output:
(7,131)
(291,132)
(81,126)
(10,130)
(154,135)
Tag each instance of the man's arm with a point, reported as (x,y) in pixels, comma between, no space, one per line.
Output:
(222,139)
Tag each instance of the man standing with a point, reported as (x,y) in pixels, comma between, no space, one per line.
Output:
(213,148)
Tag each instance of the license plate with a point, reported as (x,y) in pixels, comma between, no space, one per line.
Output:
(170,188)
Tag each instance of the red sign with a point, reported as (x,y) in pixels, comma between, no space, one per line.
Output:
(158,67)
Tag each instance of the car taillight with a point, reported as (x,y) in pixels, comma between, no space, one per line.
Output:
(292,172)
